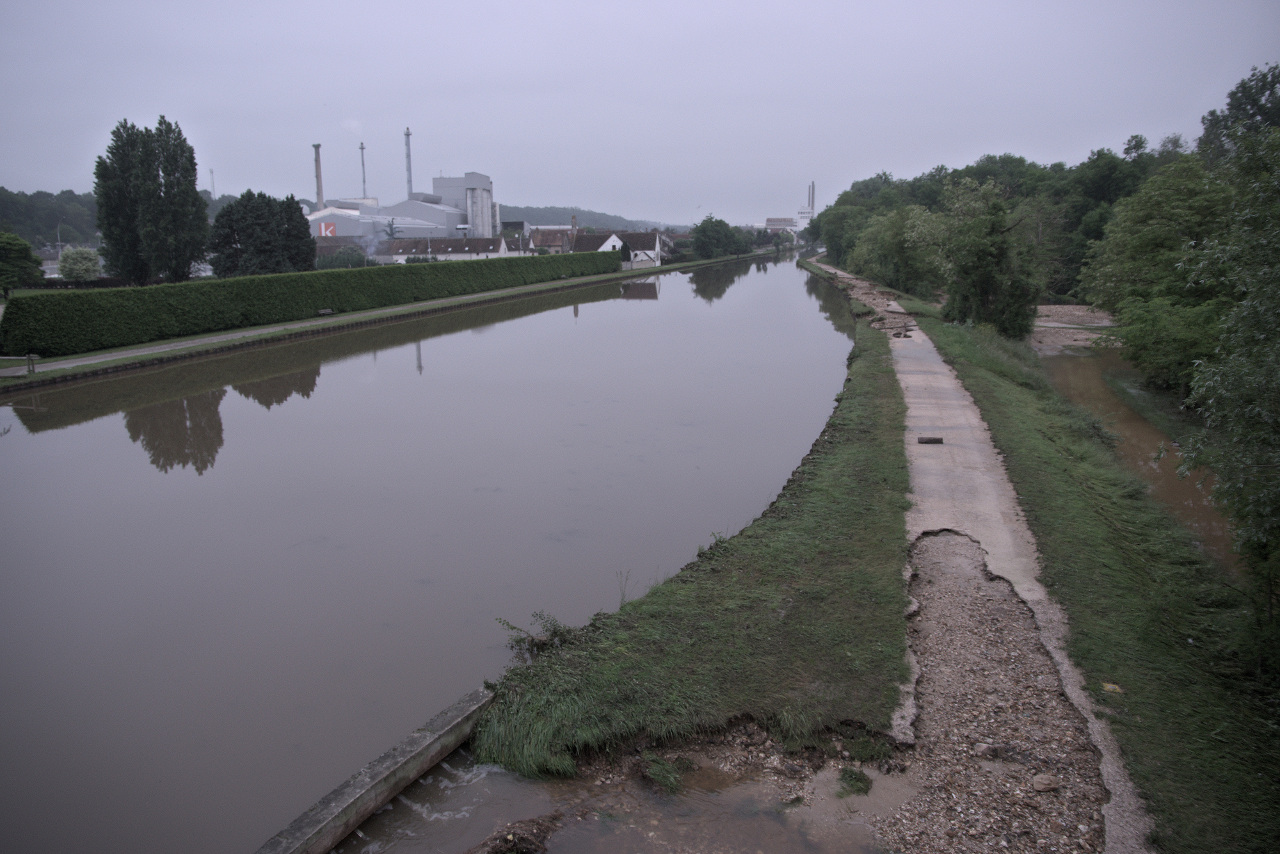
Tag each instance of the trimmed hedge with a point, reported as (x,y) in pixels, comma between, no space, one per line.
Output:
(61,324)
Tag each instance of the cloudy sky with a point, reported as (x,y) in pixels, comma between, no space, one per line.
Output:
(652,110)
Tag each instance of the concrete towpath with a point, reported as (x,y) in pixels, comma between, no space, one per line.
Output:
(959,487)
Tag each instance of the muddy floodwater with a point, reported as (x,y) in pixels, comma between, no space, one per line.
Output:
(229,583)
(1082,379)
(459,803)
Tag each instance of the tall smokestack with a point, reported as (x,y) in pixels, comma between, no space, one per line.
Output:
(408,164)
(364,185)
(319,183)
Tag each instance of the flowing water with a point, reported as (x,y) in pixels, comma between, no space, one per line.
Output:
(229,583)
(1082,379)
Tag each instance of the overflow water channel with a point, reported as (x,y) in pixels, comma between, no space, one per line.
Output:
(1083,378)
(230,582)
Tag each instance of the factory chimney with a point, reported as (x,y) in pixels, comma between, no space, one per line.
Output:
(319,184)
(408,164)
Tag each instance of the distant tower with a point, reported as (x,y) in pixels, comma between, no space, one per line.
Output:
(364,186)
(811,198)
(408,164)
(319,184)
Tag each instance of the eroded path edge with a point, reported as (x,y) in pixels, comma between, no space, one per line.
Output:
(960,485)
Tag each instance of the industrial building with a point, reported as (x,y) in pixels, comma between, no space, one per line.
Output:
(457,207)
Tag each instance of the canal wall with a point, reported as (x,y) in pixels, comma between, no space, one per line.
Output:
(341,811)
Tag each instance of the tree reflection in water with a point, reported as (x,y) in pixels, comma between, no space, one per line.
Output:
(712,282)
(276,390)
(182,432)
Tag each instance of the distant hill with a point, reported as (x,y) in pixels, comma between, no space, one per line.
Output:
(586,219)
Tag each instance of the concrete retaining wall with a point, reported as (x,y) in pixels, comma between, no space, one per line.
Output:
(329,821)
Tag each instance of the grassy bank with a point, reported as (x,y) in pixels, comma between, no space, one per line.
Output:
(796,621)
(1147,612)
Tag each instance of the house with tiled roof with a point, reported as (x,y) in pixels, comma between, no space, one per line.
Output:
(646,248)
(398,251)
(555,240)
(599,242)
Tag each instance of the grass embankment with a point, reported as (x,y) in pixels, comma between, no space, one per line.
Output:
(1147,612)
(796,621)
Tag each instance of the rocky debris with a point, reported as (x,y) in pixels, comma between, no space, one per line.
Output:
(1061,326)
(521,837)
(1002,761)
(1044,783)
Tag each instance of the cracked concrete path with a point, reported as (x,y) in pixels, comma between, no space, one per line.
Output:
(960,485)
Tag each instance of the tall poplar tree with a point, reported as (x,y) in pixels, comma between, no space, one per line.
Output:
(152,218)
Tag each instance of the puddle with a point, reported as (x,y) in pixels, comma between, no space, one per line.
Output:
(460,803)
(1082,380)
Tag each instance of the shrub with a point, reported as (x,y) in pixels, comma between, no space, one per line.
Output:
(63,323)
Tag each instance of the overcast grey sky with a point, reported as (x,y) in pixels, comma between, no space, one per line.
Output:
(652,110)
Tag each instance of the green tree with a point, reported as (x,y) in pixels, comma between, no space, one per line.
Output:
(344,258)
(1238,390)
(79,265)
(1140,271)
(19,266)
(1252,106)
(258,234)
(714,237)
(989,279)
(152,218)
(900,249)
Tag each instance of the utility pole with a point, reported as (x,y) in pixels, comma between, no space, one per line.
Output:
(364,187)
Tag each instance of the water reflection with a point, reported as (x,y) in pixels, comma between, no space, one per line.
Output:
(647,288)
(184,432)
(276,390)
(173,411)
(260,633)
(834,304)
(712,283)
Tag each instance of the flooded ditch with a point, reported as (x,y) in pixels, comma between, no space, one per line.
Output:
(1082,378)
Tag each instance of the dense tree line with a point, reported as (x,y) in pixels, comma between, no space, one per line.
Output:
(1181,245)
(909,234)
(154,222)
(42,219)
(714,238)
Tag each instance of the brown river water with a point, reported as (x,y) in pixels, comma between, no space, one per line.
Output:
(1082,379)
(229,583)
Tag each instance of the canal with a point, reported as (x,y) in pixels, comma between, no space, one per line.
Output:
(230,582)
